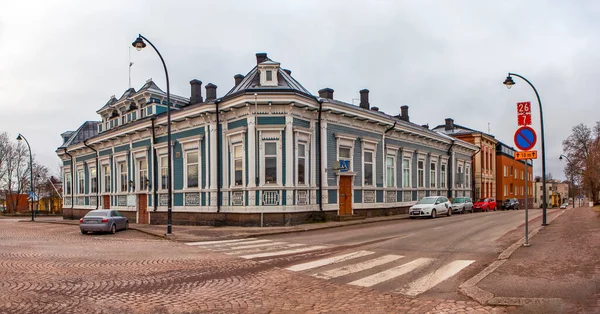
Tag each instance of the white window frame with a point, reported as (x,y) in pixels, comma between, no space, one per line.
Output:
(68,182)
(421,173)
(276,156)
(90,167)
(302,138)
(459,169)
(443,175)
(505,188)
(364,167)
(122,184)
(505,171)
(467,175)
(106,175)
(80,180)
(163,166)
(345,141)
(369,146)
(391,151)
(187,164)
(433,172)
(142,174)
(271,134)
(407,156)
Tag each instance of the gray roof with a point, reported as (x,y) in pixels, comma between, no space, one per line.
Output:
(458,130)
(251,83)
(85,131)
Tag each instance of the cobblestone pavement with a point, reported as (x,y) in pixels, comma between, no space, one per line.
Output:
(52,268)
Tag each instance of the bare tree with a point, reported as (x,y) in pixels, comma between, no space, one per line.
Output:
(583,149)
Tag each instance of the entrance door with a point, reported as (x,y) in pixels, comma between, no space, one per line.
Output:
(106,201)
(143,209)
(345,195)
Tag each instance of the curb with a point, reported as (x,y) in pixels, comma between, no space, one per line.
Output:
(470,289)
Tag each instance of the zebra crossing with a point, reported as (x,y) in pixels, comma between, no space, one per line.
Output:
(359,268)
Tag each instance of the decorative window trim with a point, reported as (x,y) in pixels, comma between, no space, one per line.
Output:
(270,136)
(394,166)
(90,166)
(367,147)
(421,157)
(443,175)
(345,141)
(236,137)
(306,158)
(140,184)
(409,158)
(435,174)
(185,167)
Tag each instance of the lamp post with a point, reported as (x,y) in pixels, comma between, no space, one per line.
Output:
(19,138)
(509,83)
(572,182)
(139,44)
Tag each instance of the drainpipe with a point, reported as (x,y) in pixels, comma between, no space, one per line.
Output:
(218,159)
(72,176)
(154,176)
(320,157)
(393,126)
(97,173)
(449,194)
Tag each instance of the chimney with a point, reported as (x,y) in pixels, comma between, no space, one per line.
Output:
(404,113)
(211,92)
(261,57)
(364,99)
(449,124)
(288,71)
(326,93)
(238,79)
(425,126)
(375,108)
(196,91)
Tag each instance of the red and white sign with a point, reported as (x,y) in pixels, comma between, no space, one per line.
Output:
(524,113)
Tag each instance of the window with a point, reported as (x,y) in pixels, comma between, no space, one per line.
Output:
(94,180)
(269,75)
(460,175)
(511,188)
(344,154)
(504,190)
(301,164)
(123,119)
(368,168)
(443,176)
(192,169)
(143,174)
(270,162)
(163,172)
(80,182)
(511,170)
(420,173)
(68,182)
(390,170)
(467,177)
(432,175)
(142,112)
(238,165)
(106,172)
(505,171)
(406,172)
(123,176)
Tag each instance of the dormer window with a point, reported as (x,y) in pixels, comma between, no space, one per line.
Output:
(268,73)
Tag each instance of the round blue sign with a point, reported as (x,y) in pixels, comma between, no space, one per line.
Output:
(525,138)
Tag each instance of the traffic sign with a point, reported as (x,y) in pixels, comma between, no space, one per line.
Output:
(525,138)
(524,113)
(530,154)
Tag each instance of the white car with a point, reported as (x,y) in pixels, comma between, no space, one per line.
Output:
(564,205)
(431,206)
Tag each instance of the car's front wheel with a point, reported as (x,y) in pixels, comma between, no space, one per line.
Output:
(83,232)
(462,211)
(433,214)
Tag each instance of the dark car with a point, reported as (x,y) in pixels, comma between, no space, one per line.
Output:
(103,220)
(510,203)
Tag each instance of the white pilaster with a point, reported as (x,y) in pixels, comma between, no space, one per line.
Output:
(289,151)
(213,162)
(252,156)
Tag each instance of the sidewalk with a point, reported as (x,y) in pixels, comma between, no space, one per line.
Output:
(558,273)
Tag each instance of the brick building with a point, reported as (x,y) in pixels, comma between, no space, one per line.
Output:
(510,176)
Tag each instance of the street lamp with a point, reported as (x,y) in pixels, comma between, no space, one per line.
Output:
(139,44)
(572,182)
(509,83)
(19,138)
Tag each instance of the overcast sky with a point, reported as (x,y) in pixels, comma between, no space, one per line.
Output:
(60,61)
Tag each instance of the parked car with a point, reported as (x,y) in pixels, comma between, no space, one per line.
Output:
(431,206)
(511,203)
(103,220)
(564,205)
(485,204)
(462,204)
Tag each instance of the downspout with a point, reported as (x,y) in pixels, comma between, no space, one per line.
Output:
(449,194)
(393,126)
(97,173)
(154,175)
(218,159)
(320,158)
(72,192)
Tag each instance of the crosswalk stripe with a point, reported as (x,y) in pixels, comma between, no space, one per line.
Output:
(233,248)
(391,273)
(432,279)
(269,249)
(329,261)
(226,246)
(285,252)
(204,243)
(346,270)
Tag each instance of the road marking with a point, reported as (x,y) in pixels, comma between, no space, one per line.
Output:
(354,268)
(285,252)
(203,243)
(225,246)
(255,250)
(391,273)
(430,280)
(329,261)
(245,246)
(437,228)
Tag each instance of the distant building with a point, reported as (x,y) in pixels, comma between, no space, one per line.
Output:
(511,175)
(557,193)
(267,151)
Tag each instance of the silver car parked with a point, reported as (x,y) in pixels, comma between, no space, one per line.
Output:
(103,220)
(462,205)
(431,206)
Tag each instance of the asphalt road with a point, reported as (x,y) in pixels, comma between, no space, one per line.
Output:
(423,258)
